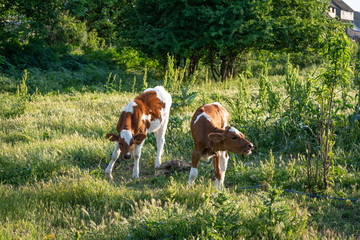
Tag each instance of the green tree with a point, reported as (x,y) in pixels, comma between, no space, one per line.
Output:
(218,31)
(45,19)
(104,16)
(29,17)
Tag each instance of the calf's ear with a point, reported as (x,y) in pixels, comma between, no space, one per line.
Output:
(227,128)
(138,138)
(216,137)
(112,137)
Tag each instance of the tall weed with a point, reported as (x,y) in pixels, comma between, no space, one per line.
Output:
(14,105)
(337,73)
(174,76)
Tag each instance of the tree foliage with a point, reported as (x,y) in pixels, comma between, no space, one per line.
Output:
(43,18)
(214,32)
(218,31)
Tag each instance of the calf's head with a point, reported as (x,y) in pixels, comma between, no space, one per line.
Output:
(126,142)
(231,140)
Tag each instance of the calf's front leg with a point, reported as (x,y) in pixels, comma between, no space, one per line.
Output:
(224,159)
(114,157)
(217,171)
(137,155)
(222,166)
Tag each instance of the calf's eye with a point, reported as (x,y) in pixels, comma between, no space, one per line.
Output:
(234,138)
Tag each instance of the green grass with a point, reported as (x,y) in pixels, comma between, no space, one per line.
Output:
(53,153)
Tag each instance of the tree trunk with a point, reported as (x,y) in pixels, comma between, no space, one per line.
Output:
(194,61)
(227,69)
(178,61)
(214,73)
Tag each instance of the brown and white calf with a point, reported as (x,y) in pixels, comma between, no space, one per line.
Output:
(213,138)
(146,113)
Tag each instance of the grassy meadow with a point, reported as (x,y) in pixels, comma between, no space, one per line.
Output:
(53,154)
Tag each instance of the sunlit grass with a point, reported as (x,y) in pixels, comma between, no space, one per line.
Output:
(53,154)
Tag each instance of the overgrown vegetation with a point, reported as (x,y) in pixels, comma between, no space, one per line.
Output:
(53,152)
(65,76)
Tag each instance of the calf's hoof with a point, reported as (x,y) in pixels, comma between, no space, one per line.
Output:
(108,176)
(219,185)
(135,176)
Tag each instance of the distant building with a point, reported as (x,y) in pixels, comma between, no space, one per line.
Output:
(340,10)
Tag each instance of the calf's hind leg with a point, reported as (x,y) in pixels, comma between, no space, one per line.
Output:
(160,141)
(196,155)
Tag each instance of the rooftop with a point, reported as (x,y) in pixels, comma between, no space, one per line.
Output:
(342,5)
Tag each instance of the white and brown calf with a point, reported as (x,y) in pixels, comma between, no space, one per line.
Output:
(146,113)
(213,138)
